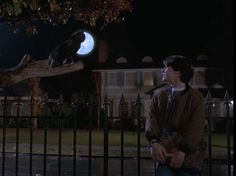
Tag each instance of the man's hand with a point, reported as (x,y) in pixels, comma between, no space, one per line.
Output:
(158,152)
(177,159)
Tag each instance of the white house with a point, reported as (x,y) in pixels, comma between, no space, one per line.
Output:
(130,81)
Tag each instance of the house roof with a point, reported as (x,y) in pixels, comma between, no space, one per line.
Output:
(128,65)
(134,62)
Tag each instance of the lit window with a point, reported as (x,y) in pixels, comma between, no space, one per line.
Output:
(120,79)
(148,79)
(130,79)
(138,79)
(121,60)
(147,59)
(112,80)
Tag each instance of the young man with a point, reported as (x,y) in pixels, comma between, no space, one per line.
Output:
(175,126)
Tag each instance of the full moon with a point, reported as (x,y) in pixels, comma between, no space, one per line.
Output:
(87,45)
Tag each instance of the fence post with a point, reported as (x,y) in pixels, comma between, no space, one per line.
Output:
(208,116)
(34,110)
(106,116)
(60,104)
(228,131)
(5,103)
(32,104)
(121,116)
(45,116)
(90,104)
(138,116)
(75,113)
(18,104)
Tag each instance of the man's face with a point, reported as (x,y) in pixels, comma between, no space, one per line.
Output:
(168,74)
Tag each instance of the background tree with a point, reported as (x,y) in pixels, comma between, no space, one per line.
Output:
(57,12)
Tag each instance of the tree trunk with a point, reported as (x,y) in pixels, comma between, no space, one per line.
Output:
(29,68)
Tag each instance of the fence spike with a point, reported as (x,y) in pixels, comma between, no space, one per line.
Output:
(227,98)
(106,105)
(106,100)
(5,100)
(138,106)
(18,99)
(32,101)
(60,100)
(5,103)
(122,99)
(138,99)
(122,105)
(74,100)
(45,98)
(209,98)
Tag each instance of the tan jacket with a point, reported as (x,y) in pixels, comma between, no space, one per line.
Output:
(188,118)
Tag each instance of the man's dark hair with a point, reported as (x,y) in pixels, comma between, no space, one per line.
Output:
(182,64)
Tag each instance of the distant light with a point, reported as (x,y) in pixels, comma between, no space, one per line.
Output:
(121,60)
(202,58)
(147,59)
(232,102)
(87,45)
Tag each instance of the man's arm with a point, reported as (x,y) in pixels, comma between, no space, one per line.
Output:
(193,133)
(152,129)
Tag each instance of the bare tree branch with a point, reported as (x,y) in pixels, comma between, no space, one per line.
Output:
(29,68)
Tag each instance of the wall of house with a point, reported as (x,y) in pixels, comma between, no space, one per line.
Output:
(131,82)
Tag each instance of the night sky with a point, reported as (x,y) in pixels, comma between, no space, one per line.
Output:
(154,28)
(191,28)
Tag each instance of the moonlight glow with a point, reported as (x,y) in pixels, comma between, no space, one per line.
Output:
(87,45)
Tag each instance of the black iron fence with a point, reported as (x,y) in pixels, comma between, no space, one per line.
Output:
(229,122)
(54,114)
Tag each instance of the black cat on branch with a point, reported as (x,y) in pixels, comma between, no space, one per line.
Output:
(62,59)
(66,51)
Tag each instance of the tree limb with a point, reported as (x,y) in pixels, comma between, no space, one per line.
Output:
(29,68)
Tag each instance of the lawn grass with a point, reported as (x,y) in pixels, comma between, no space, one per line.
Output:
(130,138)
(82,141)
(221,140)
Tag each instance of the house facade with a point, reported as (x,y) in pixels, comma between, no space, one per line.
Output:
(130,82)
